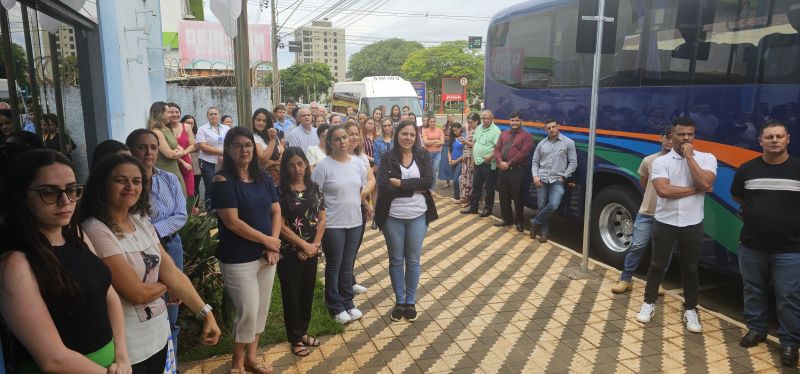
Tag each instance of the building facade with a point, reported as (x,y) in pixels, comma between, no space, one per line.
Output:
(321,42)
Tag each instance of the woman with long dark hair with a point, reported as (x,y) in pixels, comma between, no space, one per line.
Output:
(268,145)
(404,210)
(394,115)
(182,132)
(342,178)
(303,210)
(249,216)
(468,168)
(190,122)
(114,216)
(58,302)
(455,158)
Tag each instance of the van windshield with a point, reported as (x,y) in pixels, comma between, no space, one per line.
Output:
(370,104)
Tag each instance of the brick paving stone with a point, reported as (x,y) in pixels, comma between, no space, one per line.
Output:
(492,301)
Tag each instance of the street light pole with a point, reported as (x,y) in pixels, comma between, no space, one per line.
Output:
(276,73)
(241,51)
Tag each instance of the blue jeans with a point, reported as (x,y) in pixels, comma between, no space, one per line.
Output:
(175,250)
(456,180)
(340,247)
(642,232)
(757,269)
(207,171)
(436,157)
(404,242)
(548,197)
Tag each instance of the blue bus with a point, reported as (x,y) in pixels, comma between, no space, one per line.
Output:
(728,64)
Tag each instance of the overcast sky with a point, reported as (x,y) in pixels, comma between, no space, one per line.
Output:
(364,24)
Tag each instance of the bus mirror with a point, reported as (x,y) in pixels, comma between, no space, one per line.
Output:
(586,37)
(684,51)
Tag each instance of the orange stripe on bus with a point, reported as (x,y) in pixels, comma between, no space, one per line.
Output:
(733,156)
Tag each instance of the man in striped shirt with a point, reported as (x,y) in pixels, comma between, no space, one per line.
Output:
(768,189)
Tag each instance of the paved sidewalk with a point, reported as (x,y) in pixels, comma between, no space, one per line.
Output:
(492,300)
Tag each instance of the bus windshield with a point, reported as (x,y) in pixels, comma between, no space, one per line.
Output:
(372,103)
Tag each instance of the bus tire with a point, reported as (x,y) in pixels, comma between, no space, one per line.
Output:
(614,210)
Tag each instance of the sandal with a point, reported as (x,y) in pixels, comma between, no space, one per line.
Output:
(309,341)
(300,349)
(259,369)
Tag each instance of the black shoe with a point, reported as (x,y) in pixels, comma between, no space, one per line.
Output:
(789,356)
(374,225)
(397,312)
(469,211)
(410,313)
(485,213)
(543,238)
(502,224)
(752,338)
(519,227)
(533,230)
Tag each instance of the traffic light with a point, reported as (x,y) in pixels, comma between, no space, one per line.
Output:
(475,42)
(295,46)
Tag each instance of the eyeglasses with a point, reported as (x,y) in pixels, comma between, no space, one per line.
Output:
(50,195)
(241,146)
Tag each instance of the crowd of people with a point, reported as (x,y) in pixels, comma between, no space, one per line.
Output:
(97,268)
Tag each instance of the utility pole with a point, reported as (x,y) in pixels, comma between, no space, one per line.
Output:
(241,58)
(276,73)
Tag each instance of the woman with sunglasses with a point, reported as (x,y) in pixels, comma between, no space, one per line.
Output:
(58,301)
(249,221)
(114,217)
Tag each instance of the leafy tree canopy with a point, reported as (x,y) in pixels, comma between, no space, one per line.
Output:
(307,80)
(20,64)
(385,57)
(447,60)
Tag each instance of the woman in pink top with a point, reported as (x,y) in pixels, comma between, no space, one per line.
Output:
(185,137)
(433,140)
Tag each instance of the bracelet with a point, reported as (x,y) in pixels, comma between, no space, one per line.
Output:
(202,313)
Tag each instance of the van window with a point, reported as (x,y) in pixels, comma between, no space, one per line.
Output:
(370,104)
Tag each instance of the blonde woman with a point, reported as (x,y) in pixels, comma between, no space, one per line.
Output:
(169,152)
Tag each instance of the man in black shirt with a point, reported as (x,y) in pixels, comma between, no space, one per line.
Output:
(769,249)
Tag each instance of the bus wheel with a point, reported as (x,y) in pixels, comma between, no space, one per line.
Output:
(613,212)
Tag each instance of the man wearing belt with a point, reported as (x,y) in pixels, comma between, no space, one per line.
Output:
(484,140)
(513,153)
(681,179)
(554,160)
(768,189)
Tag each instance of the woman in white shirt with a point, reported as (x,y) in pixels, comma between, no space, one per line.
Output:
(317,152)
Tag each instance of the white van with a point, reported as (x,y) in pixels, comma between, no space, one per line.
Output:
(373,92)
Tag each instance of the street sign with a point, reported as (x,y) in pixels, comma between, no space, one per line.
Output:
(421,88)
(475,42)
(463,81)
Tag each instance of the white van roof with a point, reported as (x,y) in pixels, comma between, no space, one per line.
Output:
(388,86)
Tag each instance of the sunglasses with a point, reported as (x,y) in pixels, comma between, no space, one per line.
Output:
(50,195)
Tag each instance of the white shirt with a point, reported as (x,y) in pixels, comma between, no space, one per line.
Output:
(213,137)
(315,154)
(684,211)
(408,207)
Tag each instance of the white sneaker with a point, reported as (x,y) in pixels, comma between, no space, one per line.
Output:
(647,312)
(343,318)
(359,289)
(692,321)
(354,314)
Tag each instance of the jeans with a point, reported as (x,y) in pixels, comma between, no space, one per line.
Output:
(207,171)
(340,247)
(436,158)
(456,180)
(689,239)
(642,231)
(757,269)
(404,242)
(548,198)
(483,174)
(174,248)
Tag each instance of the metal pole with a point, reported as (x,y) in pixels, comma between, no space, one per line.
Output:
(54,58)
(11,70)
(34,88)
(241,58)
(587,204)
(276,72)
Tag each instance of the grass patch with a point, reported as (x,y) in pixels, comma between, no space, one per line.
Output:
(189,350)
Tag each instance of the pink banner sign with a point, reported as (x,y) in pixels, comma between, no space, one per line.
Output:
(207,41)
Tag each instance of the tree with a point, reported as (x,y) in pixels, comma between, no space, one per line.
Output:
(447,60)
(69,70)
(307,80)
(381,58)
(20,64)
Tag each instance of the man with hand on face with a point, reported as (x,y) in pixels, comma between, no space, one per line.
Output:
(769,249)
(681,178)
(512,152)
(554,161)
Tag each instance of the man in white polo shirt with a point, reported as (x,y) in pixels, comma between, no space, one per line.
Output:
(680,178)
(303,136)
